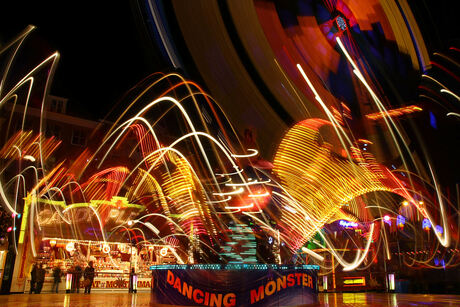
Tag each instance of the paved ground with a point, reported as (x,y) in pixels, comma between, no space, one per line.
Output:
(145,299)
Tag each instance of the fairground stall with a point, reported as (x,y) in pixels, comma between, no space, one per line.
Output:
(114,249)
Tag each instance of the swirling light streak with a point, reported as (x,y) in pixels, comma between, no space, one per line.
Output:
(159,215)
(247,183)
(163,151)
(219,145)
(358,258)
(337,127)
(238,172)
(178,190)
(29,79)
(234,192)
(445,239)
(6,200)
(20,38)
(313,254)
(254,152)
(377,101)
(219,201)
(187,118)
(259,195)
(434,80)
(450,93)
(319,184)
(251,205)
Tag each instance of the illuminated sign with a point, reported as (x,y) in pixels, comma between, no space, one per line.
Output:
(354,281)
(91,219)
(348,224)
(288,286)
(120,283)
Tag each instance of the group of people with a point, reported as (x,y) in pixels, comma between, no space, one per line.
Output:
(37,278)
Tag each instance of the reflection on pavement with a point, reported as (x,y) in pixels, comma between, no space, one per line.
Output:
(146,299)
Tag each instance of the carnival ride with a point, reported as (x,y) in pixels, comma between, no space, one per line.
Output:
(172,167)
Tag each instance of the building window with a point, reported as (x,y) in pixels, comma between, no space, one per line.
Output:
(56,106)
(78,137)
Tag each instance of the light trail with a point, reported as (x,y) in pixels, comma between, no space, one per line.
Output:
(310,186)
(450,93)
(253,153)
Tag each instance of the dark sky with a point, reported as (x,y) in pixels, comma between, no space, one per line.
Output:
(103,52)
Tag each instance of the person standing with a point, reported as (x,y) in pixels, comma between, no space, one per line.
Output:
(33,278)
(89,277)
(77,271)
(57,273)
(40,279)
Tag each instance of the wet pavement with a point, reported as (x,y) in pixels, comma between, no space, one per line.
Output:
(145,299)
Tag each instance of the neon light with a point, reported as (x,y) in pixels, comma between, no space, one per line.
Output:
(391,282)
(400,221)
(70,247)
(106,248)
(164,251)
(439,229)
(354,281)
(394,112)
(253,153)
(426,224)
(348,224)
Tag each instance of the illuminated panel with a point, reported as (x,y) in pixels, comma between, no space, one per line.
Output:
(68,281)
(391,282)
(232,266)
(354,281)
(394,112)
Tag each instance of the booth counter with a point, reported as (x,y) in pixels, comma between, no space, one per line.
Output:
(115,282)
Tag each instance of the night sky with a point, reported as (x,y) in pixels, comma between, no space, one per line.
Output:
(103,52)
